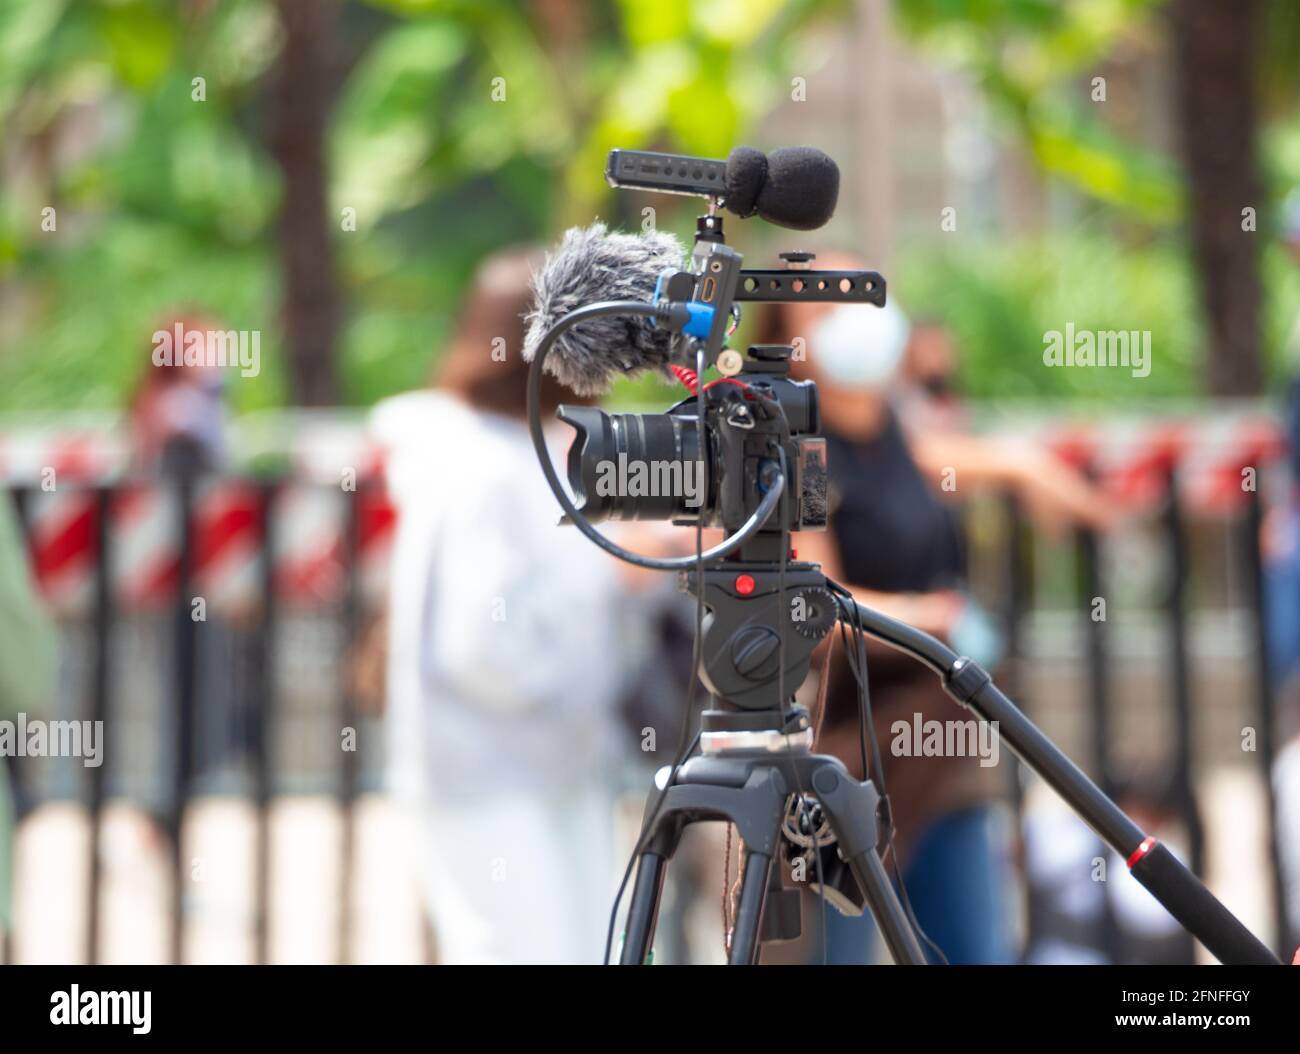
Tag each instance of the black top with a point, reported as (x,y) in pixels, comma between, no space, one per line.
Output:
(893,532)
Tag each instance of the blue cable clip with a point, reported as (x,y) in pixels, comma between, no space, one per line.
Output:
(700,323)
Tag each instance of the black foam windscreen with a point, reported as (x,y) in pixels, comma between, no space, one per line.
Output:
(800,190)
(746,173)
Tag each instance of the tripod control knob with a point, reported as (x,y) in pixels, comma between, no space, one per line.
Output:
(755,652)
(813,611)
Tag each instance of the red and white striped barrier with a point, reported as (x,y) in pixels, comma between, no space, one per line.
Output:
(1217,460)
(336,471)
(309,545)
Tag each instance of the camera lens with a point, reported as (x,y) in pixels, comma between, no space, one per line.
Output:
(635,466)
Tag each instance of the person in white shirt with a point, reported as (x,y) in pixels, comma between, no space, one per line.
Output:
(505,663)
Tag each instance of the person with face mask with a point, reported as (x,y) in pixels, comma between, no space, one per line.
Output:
(898,545)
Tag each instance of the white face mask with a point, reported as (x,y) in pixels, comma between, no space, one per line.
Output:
(860,346)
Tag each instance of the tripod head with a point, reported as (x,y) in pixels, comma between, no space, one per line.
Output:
(763,624)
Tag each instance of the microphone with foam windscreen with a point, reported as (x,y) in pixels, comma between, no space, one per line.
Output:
(795,186)
(594,265)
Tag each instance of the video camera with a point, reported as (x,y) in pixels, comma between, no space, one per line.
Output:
(759,424)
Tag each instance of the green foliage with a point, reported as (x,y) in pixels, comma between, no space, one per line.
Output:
(460,126)
(1002,298)
(1029,56)
(161,203)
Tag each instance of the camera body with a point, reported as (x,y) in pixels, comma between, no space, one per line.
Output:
(759,424)
(632,466)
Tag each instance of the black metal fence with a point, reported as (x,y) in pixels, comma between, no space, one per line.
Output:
(214,705)
(224,692)
(1243,572)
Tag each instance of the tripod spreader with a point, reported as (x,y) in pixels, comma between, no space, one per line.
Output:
(1150,862)
(751,789)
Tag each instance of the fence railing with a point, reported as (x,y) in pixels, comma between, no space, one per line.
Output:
(196,593)
(212,666)
(1228,497)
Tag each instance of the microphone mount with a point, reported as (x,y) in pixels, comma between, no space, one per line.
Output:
(718,284)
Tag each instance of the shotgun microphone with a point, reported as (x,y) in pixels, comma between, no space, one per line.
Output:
(795,186)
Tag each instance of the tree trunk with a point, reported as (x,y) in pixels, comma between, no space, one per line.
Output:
(301,95)
(1214,44)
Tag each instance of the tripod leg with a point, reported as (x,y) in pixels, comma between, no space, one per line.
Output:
(1181,893)
(749,913)
(851,808)
(643,910)
(894,925)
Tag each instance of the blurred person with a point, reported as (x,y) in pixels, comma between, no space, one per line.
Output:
(928,406)
(505,665)
(1084,906)
(177,414)
(1280,540)
(895,542)
(27,666)
(927,382)
(177,422)
(1280,548)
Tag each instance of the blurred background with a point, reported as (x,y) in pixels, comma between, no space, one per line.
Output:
(203,563)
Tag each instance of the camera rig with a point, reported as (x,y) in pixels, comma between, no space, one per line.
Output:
(752,436)
(755,431)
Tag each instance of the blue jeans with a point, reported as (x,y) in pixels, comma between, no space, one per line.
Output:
(960,883)
(1282,601)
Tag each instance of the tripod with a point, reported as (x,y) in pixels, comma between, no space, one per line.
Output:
(756,765)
